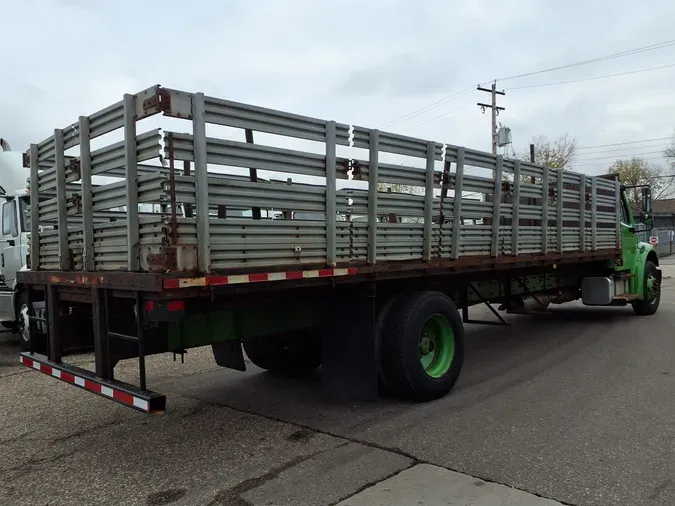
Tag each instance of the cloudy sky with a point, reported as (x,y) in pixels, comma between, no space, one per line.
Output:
(366,63)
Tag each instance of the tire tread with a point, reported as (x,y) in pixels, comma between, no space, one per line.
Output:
(395,348)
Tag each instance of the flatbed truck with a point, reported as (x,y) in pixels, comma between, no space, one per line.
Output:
(329,272)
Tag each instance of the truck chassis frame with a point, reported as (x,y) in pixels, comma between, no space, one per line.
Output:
(349,357)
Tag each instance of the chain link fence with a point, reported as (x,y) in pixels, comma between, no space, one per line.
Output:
(666,237)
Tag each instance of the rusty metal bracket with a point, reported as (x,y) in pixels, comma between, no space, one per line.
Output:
(74,164)
(356,169)
(444,179)
(165,261)
(160,101)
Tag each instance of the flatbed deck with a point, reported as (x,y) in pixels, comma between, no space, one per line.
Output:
(195,285)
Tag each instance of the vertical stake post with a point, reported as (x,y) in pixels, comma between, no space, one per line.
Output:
(87,212)
(131,174)
(201,182)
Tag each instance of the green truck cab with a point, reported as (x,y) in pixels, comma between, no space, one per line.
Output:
(638,257)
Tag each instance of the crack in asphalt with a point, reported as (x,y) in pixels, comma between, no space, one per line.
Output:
(33,462)
(392,449)
(232,495)
(84,432)
(23,371)
(19,438)
(375,481)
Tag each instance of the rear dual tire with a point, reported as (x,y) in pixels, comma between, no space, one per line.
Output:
(420,345)
(291,354)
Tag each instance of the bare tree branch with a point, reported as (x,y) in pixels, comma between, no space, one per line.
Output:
(637,171)
(556,154)
(669,153)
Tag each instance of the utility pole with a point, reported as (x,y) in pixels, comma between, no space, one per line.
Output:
(493,129)
(495,111)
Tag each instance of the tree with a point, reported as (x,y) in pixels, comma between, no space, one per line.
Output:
(669,153)
(638,171)
(556,154)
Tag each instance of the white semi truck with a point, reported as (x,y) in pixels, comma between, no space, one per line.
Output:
(14,205)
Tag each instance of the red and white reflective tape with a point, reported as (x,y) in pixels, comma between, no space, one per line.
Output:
(87,384)
(262,277)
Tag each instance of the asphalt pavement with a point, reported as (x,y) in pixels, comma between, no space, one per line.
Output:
(574,407)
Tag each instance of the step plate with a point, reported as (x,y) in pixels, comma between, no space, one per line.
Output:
(124,393)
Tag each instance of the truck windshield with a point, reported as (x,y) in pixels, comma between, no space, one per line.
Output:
(24,207)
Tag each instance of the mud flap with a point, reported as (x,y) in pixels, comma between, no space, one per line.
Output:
(229,354)
(349,366)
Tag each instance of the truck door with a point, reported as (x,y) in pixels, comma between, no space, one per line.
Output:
(10,247)
(629,237)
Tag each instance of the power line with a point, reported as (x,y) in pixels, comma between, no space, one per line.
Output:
(436,117)
(438,103)
(593,60)
(619,156)
(622,143)
(662,147)
(427,108)
(609,162)
(630,151)
(592,78)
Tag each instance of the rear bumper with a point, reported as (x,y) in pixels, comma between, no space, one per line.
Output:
(142,400)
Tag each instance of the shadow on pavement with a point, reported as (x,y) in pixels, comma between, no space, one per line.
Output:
(520,351)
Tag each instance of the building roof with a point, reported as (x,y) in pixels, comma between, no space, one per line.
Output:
(664,206)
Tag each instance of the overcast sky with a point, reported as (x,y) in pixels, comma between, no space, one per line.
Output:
(365,63)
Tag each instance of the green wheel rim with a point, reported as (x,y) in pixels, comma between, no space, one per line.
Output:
(652,288)
(436,346)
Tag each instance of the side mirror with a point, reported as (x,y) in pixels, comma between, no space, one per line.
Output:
(646,215)
(647,200)
(640,198)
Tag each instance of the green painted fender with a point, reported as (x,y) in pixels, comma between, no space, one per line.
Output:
(645,251)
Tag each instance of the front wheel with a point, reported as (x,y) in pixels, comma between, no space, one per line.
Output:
(649,304)
(422,346)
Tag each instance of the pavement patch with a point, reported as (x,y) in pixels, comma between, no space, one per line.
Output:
(428,485)
(327,477)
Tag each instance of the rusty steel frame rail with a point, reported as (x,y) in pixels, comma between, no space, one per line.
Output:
(136,281)
(156,282)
